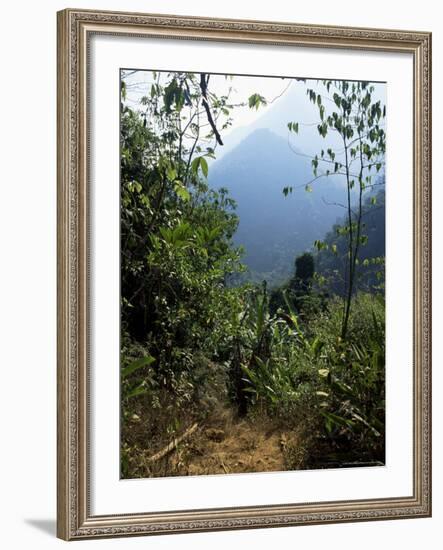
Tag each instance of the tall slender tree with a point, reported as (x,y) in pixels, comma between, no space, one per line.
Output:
(350,110)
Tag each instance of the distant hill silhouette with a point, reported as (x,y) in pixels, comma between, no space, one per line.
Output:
(274,228)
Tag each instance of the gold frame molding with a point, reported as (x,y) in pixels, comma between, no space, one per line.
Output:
(75,27)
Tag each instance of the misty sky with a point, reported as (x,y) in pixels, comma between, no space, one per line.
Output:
(242,87)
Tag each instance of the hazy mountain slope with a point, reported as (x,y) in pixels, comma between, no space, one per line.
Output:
(292,106)
(374,227)
(274,228)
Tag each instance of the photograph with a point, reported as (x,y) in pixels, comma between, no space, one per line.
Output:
(252,273)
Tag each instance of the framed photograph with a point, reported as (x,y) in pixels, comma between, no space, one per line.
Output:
(244,292)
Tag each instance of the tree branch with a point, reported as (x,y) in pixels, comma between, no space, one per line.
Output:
(204,90)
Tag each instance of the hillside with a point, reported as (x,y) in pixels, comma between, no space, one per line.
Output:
(274,228)
(369,272)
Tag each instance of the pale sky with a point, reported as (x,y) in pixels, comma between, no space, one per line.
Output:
(287,101)
(243,87)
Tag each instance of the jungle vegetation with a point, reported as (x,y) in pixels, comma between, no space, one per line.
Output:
(216,352)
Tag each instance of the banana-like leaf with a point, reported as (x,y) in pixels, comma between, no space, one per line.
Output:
(137,364)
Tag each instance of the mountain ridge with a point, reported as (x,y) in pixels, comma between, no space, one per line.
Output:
(273,228)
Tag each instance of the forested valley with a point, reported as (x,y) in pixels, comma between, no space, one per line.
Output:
(252,287)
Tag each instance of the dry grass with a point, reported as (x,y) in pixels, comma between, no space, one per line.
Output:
(223,444)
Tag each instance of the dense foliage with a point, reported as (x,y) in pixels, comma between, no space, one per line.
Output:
(194,344)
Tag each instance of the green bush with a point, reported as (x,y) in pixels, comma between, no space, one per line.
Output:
(323,383)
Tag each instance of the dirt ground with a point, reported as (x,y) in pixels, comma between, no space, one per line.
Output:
(242,448)
(227,445)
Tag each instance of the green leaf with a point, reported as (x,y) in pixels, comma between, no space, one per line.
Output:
(333,420)
(292,314)
(171,173)
(314,163)
(169,94)
(195,164)
(204,166)
(137,364)
(138,390)
(182,192)
(320,245)
(337,99)
(123,89)
(200,162)
(255,100)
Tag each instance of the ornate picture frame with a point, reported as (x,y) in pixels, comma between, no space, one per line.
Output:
(75,518)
